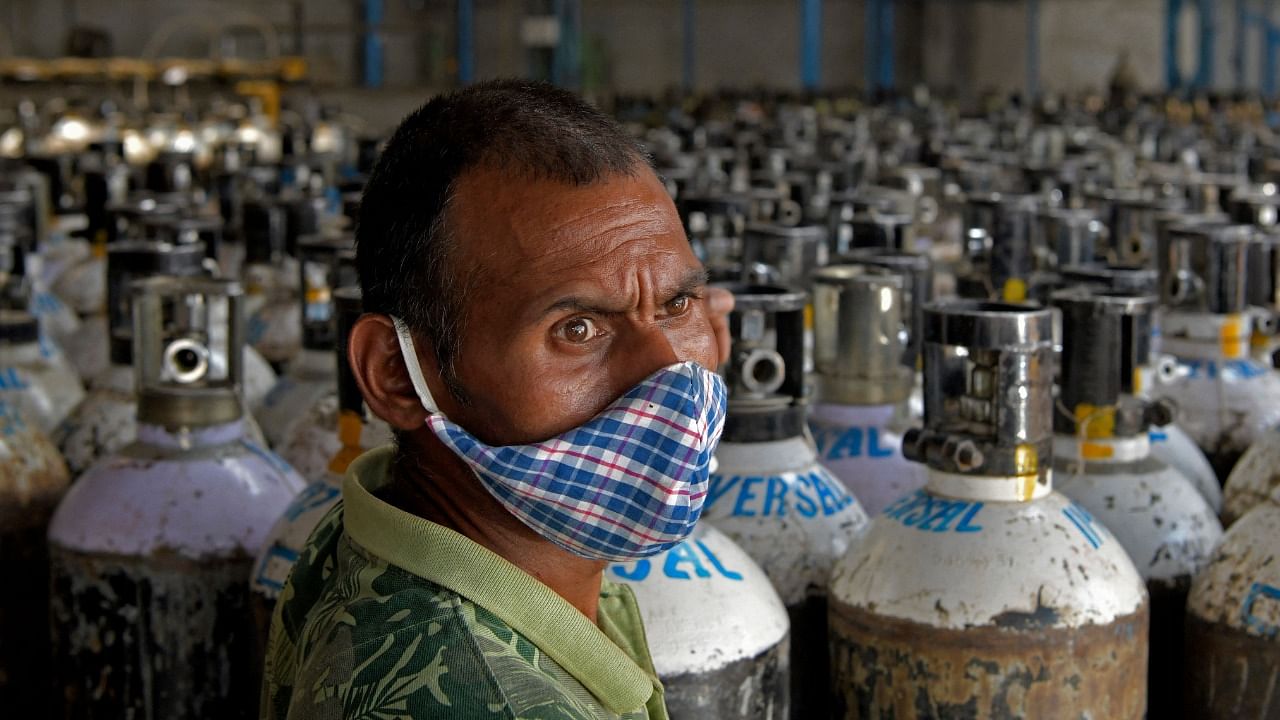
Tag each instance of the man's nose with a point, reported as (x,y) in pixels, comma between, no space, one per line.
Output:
(647,349)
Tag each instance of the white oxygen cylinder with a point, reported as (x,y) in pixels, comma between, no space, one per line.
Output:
(986,578)
(770,494)
(1103,461)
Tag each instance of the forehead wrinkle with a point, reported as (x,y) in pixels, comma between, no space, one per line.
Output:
(599,232)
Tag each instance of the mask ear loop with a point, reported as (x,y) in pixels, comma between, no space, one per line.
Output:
(410,354)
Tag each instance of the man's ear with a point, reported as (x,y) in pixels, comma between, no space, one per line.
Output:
(374,353)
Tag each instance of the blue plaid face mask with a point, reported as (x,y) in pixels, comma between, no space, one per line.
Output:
(628,484)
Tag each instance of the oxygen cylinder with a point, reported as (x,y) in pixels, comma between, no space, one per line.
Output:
(860,327)
(769,493)
(1131,216)
(1230,399)
(1262,291)
(1170,444)
(24,267)
(150,550)
(1006,270)
(311,374)
(106,419)
(917,291)
(33,479)
(350,432)
(1102,460)
(1068,236)
(792,253)
(717,630)
(987,580)
(786,255)
(271,302)
(44,391)
(1233,623)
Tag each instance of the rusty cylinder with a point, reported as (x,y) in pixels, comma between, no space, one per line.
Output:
(151,548)
(1233,624)
(986,594)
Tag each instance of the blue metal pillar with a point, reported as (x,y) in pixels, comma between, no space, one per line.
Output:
(1270,46)
(1208,32)
(466,42)
(1172,75)
(880,45)
(810,44)
(371,65)
(688,65)
(1033,49)
(885,47)
(566,60)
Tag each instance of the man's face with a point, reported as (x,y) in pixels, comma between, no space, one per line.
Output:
(577,294)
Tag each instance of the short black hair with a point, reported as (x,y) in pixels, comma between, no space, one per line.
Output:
(532,130)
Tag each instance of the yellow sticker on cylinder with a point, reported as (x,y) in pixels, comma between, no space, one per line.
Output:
(1231,338)
(1015,290)
(1098,422)
(808,316)
(1095,451)
(350,427)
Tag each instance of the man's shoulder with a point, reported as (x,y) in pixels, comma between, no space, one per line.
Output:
(380,640)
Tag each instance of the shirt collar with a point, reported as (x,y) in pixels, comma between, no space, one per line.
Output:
(454,561)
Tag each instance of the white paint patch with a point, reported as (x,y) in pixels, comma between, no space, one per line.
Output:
(45,391)
(308,379)
(860,447)
(89,349)
(211,501)
(786,511)
(83,285)
(1175,448)
(1167,528)
(259,378)
(313,441)
(956,564)
(705,604)
(1241,587)
(1225,405)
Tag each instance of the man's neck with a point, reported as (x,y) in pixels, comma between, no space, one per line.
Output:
(433,483)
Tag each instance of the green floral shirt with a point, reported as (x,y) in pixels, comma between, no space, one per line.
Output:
(387,615)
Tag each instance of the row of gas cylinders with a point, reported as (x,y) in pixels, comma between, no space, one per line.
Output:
(976,590)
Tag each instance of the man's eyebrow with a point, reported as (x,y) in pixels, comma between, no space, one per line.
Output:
(692,281)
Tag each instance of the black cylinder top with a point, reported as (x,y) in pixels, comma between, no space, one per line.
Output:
(1106,338)
(132,260)
(18,327)
(265,227)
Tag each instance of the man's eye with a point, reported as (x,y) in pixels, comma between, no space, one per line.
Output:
(579,330)
(678,306)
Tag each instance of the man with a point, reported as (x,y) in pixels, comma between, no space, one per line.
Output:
(542,340)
